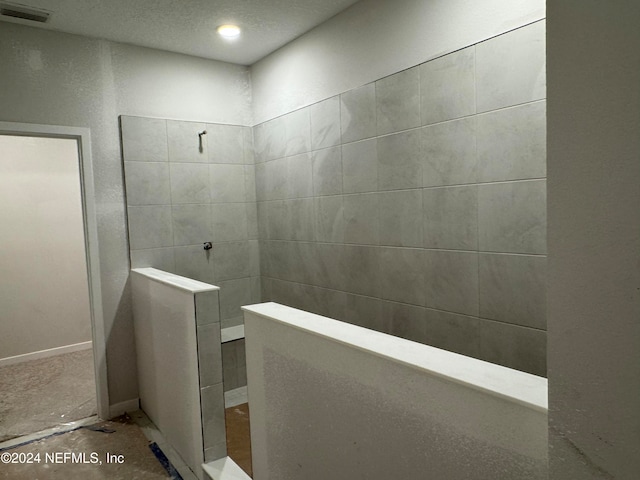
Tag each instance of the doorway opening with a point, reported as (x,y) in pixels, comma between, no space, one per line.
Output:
(52,345)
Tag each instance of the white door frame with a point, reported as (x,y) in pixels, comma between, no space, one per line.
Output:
(83,139)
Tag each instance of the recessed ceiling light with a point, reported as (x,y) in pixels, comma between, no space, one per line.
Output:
(229,31)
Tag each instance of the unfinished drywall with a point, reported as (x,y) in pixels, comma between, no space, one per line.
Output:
(594,239)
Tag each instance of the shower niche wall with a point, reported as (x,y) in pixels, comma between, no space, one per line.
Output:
(414,205)
(188,183)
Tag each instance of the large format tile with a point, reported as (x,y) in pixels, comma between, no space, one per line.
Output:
(362,219)
(366,312)
(513,289)
(301,214)
(275,139)
(453,332)
(227,183)
(328,266)
(327,171)
(360,166)
(358,113)
(260,143)
(275,174)
(303,262)
(212,399)
(329,216)
(362,270)
(250,183)
(322,301)
(209,354)
(447,87)
(402,275)
(262,191)
(406,321)
(150,227)
(514,346)
(278,223)
(189,183)
(144,139)
(449,152)
(147,183)
(232,260)
(512,143)
(191,224)
(185,145)
(248,145)
(298,132)
(233,295)
(207,307)
(510,68)
(229,366)
(194,262)
(325,123)
(160,258)
(451,217)
(277,260)
(251,211)
(229,221)
(263,224)
(299,176)
(512,217)
(452,281)
(400,161)
(400,218)
(398,101)
(254,258)
(225,143)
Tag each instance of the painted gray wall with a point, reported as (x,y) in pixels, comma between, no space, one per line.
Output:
(594,239)
(61,79)
(415,205)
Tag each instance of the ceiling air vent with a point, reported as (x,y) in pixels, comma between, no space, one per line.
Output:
(24,13)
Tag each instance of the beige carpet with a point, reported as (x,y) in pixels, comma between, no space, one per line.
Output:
(117,437)
(44,393)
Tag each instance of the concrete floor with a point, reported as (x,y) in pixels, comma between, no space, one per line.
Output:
(43,393)
(117,437)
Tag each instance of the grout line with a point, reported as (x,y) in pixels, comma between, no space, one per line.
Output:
(479,252)
(380,299)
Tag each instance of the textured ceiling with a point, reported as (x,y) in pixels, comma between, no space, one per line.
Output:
(188,26)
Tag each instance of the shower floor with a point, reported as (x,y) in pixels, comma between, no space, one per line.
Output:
(239,436)
(43,393)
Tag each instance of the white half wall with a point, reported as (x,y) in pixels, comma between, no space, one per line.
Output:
(373,39)
(333,400)
(593,124)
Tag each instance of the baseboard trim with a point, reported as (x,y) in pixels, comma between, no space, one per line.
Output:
(51,352)
(121,408)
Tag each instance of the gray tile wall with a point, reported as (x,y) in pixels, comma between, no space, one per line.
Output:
(416,205)
(234,364)
(210,369)
(181,192)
